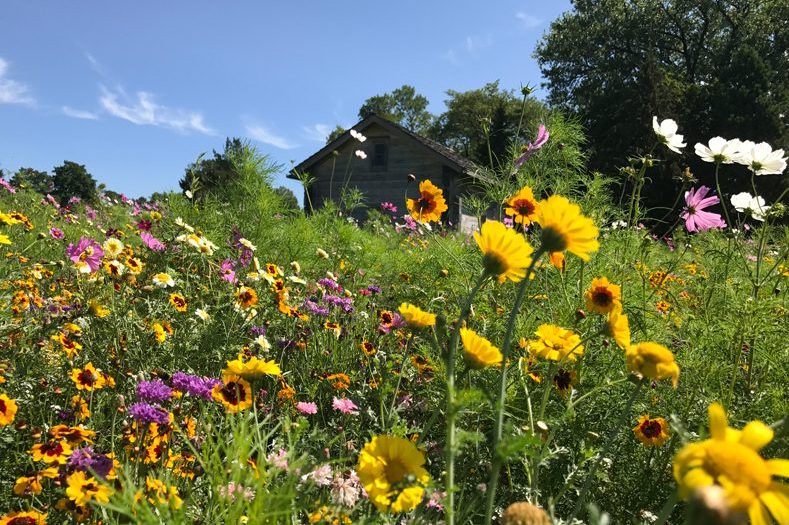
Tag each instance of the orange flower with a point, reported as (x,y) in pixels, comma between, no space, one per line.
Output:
(430,204)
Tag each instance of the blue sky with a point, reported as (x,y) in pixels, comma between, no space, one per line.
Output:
(136,90)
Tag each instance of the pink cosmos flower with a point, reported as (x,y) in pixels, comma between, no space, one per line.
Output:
(307,407)
(152,242)
(344,405)
(388,206)
(228,274)
(7,186)
(531,147)
(696,219)
(86,255)
(56,233)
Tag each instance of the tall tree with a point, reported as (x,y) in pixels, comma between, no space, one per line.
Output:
(403,106)
(73,180)
(34,179)
(212,175)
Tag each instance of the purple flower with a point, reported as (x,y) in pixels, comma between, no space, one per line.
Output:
(153,391)
(7,186)
(331,284)
(86,460)
(696,219)
(56,233)
(152,242)
(374,289)
(147,413)
(144,225)
(194,385)
(86,255)
(257,330)
(90,213)
(314,308)
(531,147)
(388,206)
(342,302)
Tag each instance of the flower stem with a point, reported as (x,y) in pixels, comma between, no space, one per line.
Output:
(720,195)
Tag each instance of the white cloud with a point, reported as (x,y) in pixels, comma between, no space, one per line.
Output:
(452,57)
(79,113)
(476,43)
(528,21)
(266,136)
(11,91)
(317,132)
(144,111)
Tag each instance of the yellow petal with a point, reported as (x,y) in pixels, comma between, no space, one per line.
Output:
(779,467)
(758,514)
(778,504)
(718,422)
(756,435)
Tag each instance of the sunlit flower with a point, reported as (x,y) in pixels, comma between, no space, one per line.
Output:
(307,407)
(29,485)
(666,132)
(730,460)
(755,206)
(246,297)
(134,265)
(344,405)
(391,470)
(4,239)
(522,206)
(30,517)
(556,343)
(114,268)
(358,136)
(618,327)
(361,154)
(564,380)
(415,317)
(112,248)
(159,493)
(652,360)
(761,159)
(652,432)
(179,302)
(88,378)
(603,297)
(505,253)
(564,227)
(430,205)
(82,489)
(246,243)
(528,150)
(8,409)
(97,309)
(368,348)
(478,351)
(202,314)
(51,452)
(234,393)
(163,280)
(86,255)
(252,369)
(720,150)
(696,219)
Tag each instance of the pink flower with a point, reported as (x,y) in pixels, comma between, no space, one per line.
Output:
(86,255)
(228,274)
(531,147)
(152,242)
(7,186)
(388,206)
(279,459)
(344,405)
(56,233)
(696,219)
(306,407)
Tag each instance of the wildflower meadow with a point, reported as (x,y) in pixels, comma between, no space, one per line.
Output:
(195,359)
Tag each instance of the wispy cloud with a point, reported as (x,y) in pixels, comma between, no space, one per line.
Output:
(266,136)
(142,109)
(11,91)
(529,21)
(317,132)
(452,57)
(475,43)
(95,65)
(79,113)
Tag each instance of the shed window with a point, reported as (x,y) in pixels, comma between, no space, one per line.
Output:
(380,155)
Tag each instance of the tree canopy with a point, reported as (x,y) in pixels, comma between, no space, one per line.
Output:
(73,180)
(403,106)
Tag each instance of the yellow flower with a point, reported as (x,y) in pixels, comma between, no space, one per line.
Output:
(415,317)
(391,470)
(652,432)
(82,489)
(603,297)
(652,360)
(97,309)
(27,485)
(730,460)
(505,253)
(163,280)
(30,517)
(523,206)
(253,369)
(478,351)
(234,393)
(112,248)
(246,297)
(159,493)
(565,228)
(88,378)
(8,408)
(52,451)
(134,265)
(556,343)
(4,239)
(430,204)
(618,327)
(179,302)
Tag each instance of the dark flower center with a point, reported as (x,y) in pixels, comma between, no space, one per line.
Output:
(602,297)
(23,520)
(563,379)
(651,428)
(425,203)
(524,207)
(86,377)
(233,393)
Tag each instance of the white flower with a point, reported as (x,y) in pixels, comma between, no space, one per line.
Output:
(263,343)
(163,280)
(320,252)
(112,248)
(358,136)
(761,159)
(297,280)
(719,150)
(359,153)
(745,202)
(202,314)
(180,222)
(295,266)
(618,224)
(188,194)
(667,134)
(247,243)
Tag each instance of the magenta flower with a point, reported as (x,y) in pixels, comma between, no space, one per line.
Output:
(696,219)
(56,233)
(306,407)
(7,186)
(388,206)
(344,405)
(152,242)
(531,147)
(226,268)
(86,255)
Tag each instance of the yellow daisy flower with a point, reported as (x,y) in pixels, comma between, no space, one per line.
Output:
(415,317)
(556,343)
(234,393)
(565,228)
(30,517)
(618,327)
(522,206)
(478,351)
(652,432)
(83,489)
(252,369)
(603,297)
(652,360)
(8,408)
(430,204)
(505,253)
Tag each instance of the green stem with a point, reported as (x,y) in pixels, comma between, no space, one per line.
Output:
(720,195)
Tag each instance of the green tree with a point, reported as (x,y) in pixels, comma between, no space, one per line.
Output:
(483,123)
(403,106)
(213,175)
(33,179)
(718,67)
(73,180)
(336,132)
(289,200)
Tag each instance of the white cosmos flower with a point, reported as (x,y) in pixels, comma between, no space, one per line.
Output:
(202,314)
(247,243)
(667,134)
(263,343)
(761,159)
(719,150)
(745,202)
(358,136)
(362,155)
(163,280)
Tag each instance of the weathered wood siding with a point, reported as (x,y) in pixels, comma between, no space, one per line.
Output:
(384,184)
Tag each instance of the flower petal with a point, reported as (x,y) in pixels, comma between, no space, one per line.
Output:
(779,467)
(718,422)
(756,435)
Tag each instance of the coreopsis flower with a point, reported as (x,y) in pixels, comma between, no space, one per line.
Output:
(746,203)
(30,485)
(112,248)
(158,493)
(82,489)
(528,150)
(161,331)
(730,460)
(696,219)
(73,435)
(391,470)
(603,297)
(761,159)
(368,348)
(556,343)
(8,409)
(114,268)
(430,204)
(719,151)
(522,206)
(505,253)
(478,351)
(618,327)
(652,432)
(234,393)
(163,280)
(666,132)
(564,227)
(416,317)
(333,327)
(134,265)
(246,297)
(652,360)
(86,255)
(179,302)
(252,369)
(30,517)
(88,378)
(564,380)
(51,451)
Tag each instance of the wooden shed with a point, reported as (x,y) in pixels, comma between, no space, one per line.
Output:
(381,171)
